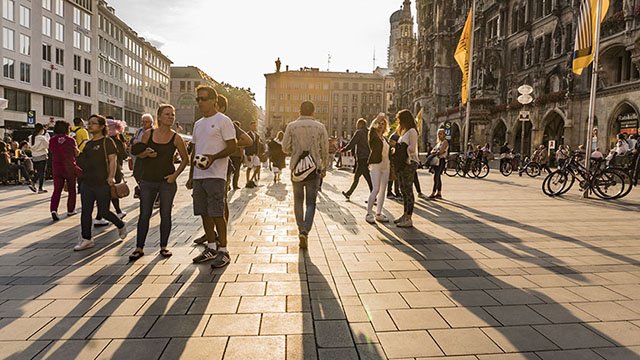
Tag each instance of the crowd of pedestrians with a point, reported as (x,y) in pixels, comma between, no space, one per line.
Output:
(88,159)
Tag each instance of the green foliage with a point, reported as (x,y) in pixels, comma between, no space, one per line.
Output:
(240,104)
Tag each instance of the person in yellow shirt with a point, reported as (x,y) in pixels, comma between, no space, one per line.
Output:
(80,133)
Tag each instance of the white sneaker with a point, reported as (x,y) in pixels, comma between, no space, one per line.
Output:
(74,212)
(122,232)
(382,218)
(101,222)
(121,215)
(407,223)
(370,219)
(84,244)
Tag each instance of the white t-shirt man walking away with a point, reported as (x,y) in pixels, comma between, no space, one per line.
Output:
(214,136)
(306,135)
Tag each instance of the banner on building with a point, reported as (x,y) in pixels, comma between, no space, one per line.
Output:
(463,56)
(585,33)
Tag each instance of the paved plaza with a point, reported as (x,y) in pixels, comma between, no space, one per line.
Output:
(496,270)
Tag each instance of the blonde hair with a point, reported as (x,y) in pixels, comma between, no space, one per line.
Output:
(161,108)
(376,123)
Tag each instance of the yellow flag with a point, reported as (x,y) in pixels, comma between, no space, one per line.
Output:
(463,56)
(585,33)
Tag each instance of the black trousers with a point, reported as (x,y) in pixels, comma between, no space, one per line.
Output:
(362,169)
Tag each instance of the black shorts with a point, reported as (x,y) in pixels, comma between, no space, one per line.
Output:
(209,197)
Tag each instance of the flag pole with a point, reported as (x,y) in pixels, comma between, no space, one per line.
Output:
(467,121)
(594,85)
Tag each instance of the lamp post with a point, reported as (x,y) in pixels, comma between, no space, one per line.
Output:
(525,98)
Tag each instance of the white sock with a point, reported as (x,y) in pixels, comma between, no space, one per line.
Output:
(223,249)
(212,246)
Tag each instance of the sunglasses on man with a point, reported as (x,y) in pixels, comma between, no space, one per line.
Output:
(203,98)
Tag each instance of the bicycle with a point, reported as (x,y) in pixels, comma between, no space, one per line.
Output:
(605,182)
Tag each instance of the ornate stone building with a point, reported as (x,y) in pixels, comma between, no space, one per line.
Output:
(520,42)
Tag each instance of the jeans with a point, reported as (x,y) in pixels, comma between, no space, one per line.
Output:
(305,191)
(237,164)
(437,177)
(148,193)
(60,176)
(362,169)
(379,179)
(406,177)
(416,182)
(95,194)
(40,168)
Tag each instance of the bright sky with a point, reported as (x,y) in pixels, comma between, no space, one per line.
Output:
(238,41)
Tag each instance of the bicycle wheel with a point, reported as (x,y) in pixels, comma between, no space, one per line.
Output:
(608,185)
(533,170)
(460,169)
(506,169)
(480,170)
(555,183)
(628,183)
(451,168)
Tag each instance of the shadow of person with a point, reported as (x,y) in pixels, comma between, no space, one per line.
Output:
(504,308)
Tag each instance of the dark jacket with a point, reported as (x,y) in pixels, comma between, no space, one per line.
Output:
(360,142)
(376,145)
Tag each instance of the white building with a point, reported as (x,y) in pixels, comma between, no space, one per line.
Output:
(48,62)
(71,58)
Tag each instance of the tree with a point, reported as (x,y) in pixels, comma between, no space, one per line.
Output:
(241,106)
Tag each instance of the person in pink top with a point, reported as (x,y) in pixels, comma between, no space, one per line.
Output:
(64,150)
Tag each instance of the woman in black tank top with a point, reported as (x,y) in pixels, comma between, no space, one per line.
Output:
(158,177)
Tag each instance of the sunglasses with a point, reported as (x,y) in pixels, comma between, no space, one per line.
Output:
(201,98)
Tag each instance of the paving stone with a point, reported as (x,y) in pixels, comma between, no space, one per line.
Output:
(383,301)
(124,327)
(569,355)
(233,324)
(461,317)
(286,324)
(262,304)
(73,349)
(608,311)
(21,329)
(519,339)
(215,305)
(21,349)
(68,328)
(515,315)
(255,347)
(429,299)
(620,332)
(178,326)
(195,348)
(417,319)
(301,347)
(345,353)
(333,334)
(408,344)
(463,341)
(133,349)
(572,336)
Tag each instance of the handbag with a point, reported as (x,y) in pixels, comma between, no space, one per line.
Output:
(119,190)
(432,160)
(401,156)
(305,168)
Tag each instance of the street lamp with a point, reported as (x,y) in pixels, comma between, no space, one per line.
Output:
(525,99)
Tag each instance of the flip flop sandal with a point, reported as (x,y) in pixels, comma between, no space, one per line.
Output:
(165,253)
(136,255)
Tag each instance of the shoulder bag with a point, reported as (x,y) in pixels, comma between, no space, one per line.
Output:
(119,190)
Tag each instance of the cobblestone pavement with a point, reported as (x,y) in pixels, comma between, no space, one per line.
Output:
(496,270)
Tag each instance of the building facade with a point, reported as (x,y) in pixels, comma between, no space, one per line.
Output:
(184,81)
(71,58)
(48,60)
(157,74)
(522,42)
(340,98)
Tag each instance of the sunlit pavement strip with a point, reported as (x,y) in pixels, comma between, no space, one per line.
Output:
(495,268)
